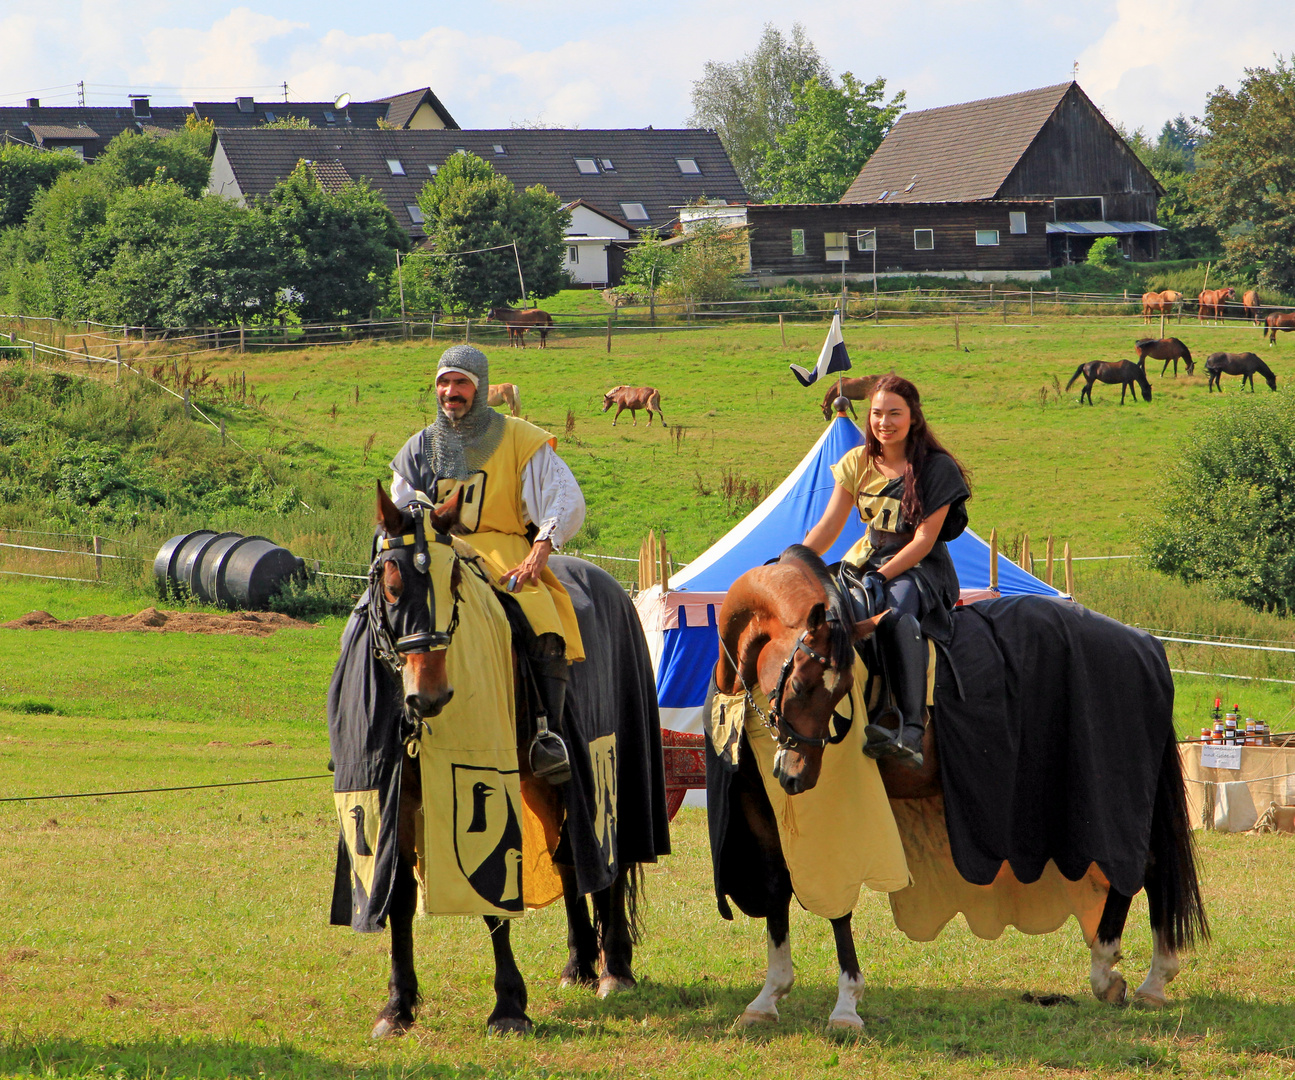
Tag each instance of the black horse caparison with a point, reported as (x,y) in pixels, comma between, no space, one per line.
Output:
(792,639)
(1124,372)
(600,950)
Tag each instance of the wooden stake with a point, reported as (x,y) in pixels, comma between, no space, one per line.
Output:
(467,329)
(782,330)
(242,338)
(1049,561)
(98,558)
(651,576)
(1031,301)
(1027,564)
(1162,322)
(993,558)
(1070,572)
(609,334)
(957,341)
(665,565)
(186,403)
(222,431)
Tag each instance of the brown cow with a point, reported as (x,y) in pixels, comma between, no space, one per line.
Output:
(634,398)
(505,394)
(1251,301)
(518,322)
(1211,303)
(850,389)
(1160,303)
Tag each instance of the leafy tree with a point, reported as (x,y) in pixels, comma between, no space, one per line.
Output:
(26,170)
(1105,254)
(650,265)
(710,261)
(469,207)
(816,157)
(750,101)
(288,123)
(339,246)
(63,247)
(1245,180)
(1172,160)
(132,159)
(1226,515)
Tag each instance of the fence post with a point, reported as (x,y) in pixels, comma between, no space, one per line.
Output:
(782,330)
(609,334)
(118,348)
(243,391)
(1031,301)
(1070,571)
(186,403)
(957,340)
(242,338)
(467,329)
(33,353)
(1162,322)
(1027,563)
(98,558)
(1004,310)
(431,330)
(1049,560)
(222,431)
(993,558)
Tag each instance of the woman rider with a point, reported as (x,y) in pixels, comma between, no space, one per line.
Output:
(911,492)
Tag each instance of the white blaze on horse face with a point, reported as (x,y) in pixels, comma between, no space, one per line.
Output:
(1107,983)
(777,984)
(846,1014)
(831,677)
(1164,969)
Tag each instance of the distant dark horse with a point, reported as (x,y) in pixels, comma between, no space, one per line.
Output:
(1245,364)
(1278,320)
(1124,372)
(788,630)
(406,630)
(850,389)
(1165,349)
(519,321)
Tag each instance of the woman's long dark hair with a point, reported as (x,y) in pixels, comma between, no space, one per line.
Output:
(921,444)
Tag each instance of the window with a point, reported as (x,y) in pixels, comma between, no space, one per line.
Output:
(1081,209)
(798,241)
(586,166)
(329,118)
(499,150)
(923,239)
(433,169)
(397,169)
(573,253)
(634,211)
(415,213)
(607,165)
(837,246)
(866,239)
(1018,222)
(688,166)
(139,106)
(269,117)
(245,104)
(986,238)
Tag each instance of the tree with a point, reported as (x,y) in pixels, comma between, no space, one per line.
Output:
(24,171)
(649,265)
(63,244)
(469,207)
(1245,179)
(132,159)
(339,246)
(1172,160)
(750,101)
(816,157)
(1105,254)
(709,261)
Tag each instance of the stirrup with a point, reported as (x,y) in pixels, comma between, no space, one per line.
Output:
(548,755)
(887,742)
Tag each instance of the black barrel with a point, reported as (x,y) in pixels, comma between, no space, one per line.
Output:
(228,568)
(172,555)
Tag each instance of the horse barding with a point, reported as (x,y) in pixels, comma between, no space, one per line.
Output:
(1051,782)
(431,717)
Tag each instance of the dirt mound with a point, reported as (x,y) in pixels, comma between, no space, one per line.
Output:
(152,620)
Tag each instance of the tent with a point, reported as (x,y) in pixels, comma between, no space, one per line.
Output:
(680,620)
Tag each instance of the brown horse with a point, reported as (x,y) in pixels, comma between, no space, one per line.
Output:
(1210,303)
(1278,320)
(850,389)
(1160,303)
(505,394)
(1245,364)
(634,398)
(519,321)
(1124,372)
(786,635)
(1165,349)
(1250,300)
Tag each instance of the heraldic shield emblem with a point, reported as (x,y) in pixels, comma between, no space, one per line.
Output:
(488,834)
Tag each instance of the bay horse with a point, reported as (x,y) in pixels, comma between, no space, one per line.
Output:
(1124,372)
(1165,349)
(1250,301)
(1278,320)
(398,650)
(518,321)
(850,389)
(786,638)
(1160,303)
(1210,303)
(634,398)
(505,394)
(1245,364)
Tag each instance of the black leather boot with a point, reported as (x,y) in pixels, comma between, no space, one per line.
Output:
(549,757)
(904,653)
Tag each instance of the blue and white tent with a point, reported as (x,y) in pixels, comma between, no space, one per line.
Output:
(680,620)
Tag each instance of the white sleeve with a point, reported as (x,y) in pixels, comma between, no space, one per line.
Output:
(551,497)
(401,493)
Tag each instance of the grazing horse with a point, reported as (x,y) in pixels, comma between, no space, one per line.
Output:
(505,394)
(850,389)
(1160,303)
(400,660)
(1055,763)
(1165,349)
(1278,320)
(519,321)
(1244,364)
(1210,303)
(634,398)
(1124,372)
(1250,300)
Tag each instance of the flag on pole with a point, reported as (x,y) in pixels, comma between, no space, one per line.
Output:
(832,359)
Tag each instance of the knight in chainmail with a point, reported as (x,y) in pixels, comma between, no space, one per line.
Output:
(519,502)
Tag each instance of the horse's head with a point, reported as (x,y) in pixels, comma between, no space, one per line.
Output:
(788,632)
(609,398)
(413,593)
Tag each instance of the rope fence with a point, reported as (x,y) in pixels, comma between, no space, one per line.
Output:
(151,791)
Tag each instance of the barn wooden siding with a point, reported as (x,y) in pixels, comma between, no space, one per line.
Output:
(1077,153)
(954,226)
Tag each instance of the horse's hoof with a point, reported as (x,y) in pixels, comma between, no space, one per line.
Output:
(845,1023)
(387,1028)
(751,1018)
(572,978)
(1145,1000)
(510,1025)
(1115,992)
(615,984)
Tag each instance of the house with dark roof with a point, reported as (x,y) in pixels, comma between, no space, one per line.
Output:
(86,130)
(416,110)
(630,178)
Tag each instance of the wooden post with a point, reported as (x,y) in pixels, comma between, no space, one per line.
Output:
(782,329)
(1056,295)
(118,348)
(243,389)
(1162,322)
(957,340)
(1031,301)
(609,334)
(651,572)
(242,338)
(1027,563)
(664,577)
(222,431)
(431,330)
(993,558)
(186,403)
(1004,310)
(1070,572)
(467,329)
(143,334)
(98,558)
(1048,564)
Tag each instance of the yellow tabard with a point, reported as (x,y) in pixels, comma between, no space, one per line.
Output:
(878,508)
(841,834)
(491,512)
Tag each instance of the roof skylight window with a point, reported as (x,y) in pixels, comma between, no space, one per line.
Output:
(329,118)
(634,211)
(688,166)
(394,164)
(607,165)
(415,213)
(499,149)
(433,169)
(269,117)
(586,166)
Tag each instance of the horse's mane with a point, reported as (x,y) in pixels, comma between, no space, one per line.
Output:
(839,624)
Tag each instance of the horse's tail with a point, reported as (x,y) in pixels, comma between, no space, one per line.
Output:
(1173,888)
(1078,371)
(517,399)
(654,402)
(634,903)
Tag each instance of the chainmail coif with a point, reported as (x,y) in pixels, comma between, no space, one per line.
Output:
(457,449)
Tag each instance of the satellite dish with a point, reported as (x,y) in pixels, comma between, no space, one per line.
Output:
(342,101)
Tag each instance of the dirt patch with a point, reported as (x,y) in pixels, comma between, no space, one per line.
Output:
(153,620)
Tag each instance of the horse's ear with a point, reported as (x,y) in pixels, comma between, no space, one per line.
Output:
(817,617)
(389,516)
(868,627)
(446,516)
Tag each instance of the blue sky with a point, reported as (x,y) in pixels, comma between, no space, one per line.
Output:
(495,63)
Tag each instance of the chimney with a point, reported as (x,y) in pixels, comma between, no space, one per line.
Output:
(139,105)
(245,104)
(33,103)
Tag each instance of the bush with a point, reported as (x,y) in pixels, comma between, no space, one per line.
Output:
(1106,253)
(1225,513)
